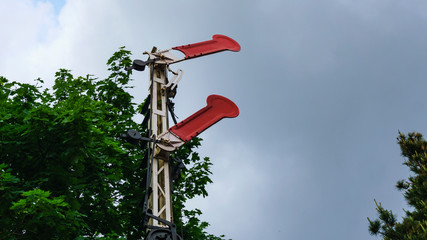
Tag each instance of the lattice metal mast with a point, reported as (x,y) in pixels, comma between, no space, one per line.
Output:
(161,200)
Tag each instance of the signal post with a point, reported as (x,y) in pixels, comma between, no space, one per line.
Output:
(162,140)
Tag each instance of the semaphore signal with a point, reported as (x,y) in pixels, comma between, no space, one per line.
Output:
(157,209)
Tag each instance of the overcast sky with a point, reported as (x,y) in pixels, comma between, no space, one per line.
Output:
(323,88)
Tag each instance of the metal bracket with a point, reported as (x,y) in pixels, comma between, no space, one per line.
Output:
(169,141)
(161,232)
(171,86)
(164,57)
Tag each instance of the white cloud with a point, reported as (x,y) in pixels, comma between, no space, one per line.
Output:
(81,38)
(25,24)
(85,36)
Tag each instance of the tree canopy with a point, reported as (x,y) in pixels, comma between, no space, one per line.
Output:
(65,173)
(414,224)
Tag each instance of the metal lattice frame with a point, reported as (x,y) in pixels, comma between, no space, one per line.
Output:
(160,201)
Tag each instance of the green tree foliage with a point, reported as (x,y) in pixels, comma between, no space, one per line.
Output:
(64,171)
(414,224)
